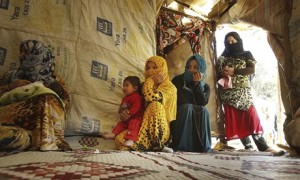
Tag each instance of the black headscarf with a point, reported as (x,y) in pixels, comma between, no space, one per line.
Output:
(235,49)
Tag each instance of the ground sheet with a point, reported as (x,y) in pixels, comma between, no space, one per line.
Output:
(93,158)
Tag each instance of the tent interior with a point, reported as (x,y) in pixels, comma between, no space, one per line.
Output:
(94,62)
(97,44)
(278,20)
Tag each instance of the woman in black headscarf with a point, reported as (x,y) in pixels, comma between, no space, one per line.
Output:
(234,69)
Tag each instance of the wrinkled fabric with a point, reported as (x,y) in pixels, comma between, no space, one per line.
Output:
(191,130)
(38,121)
(241,124)
(36,112)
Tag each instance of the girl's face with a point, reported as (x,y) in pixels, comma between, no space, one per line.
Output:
(231,40)
(193,66)
(151,66)
(128,88)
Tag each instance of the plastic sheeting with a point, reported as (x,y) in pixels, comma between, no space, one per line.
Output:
(96,44)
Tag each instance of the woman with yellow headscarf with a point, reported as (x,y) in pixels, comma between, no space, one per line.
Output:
(161,97)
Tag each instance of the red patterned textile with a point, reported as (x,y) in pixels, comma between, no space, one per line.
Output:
(171,26)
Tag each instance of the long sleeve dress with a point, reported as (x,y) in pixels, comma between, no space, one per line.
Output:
(191,130)
(241,118)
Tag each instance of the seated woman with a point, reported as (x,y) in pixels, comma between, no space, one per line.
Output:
(33,102)
(160,97)
(191,130)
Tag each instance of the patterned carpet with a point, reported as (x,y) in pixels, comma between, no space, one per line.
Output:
(92,159)
(111,164)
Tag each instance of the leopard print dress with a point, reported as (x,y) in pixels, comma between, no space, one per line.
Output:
(240,95)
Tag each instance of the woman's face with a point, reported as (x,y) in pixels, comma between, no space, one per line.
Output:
(151,66)
(231,40)
(193,66)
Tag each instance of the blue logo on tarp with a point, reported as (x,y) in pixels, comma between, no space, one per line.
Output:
(99,70)
(2,55)
(104,26)
(4,4)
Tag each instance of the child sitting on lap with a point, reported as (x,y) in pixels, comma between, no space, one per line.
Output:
(133,103)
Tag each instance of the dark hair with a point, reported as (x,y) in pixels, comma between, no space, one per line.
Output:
(135,81)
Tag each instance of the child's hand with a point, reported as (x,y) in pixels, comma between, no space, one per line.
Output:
(124,115)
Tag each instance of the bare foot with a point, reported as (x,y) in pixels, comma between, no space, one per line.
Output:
(128,143)
(108,136)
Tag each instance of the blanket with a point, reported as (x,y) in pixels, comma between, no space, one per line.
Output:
(26,92)
(32,117)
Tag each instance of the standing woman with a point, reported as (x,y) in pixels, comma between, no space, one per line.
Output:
(234,68)
(191,130)
(160,97)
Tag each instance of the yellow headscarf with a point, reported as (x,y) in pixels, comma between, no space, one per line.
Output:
(162,67)
(166,88)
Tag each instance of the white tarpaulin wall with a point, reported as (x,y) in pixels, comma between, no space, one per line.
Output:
(97,43)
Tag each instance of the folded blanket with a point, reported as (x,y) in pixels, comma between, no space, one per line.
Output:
(26,92)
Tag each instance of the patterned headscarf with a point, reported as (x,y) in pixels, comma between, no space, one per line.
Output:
(235,49)
(37,65)
(162,67)
(188,77)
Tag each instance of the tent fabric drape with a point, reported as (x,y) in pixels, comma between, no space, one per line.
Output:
(171,27)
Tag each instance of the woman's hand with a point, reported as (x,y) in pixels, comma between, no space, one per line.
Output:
(18,83)
(158,79)
(197,76)
(228,71)
(124,115)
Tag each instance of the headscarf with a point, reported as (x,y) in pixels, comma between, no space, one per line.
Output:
(37,65)
(233,49)
(166,89)
(161,64)
(188,76)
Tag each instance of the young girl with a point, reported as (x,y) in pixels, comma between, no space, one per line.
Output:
(132,102)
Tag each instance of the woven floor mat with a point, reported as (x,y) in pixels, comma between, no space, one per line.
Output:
(112,164)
